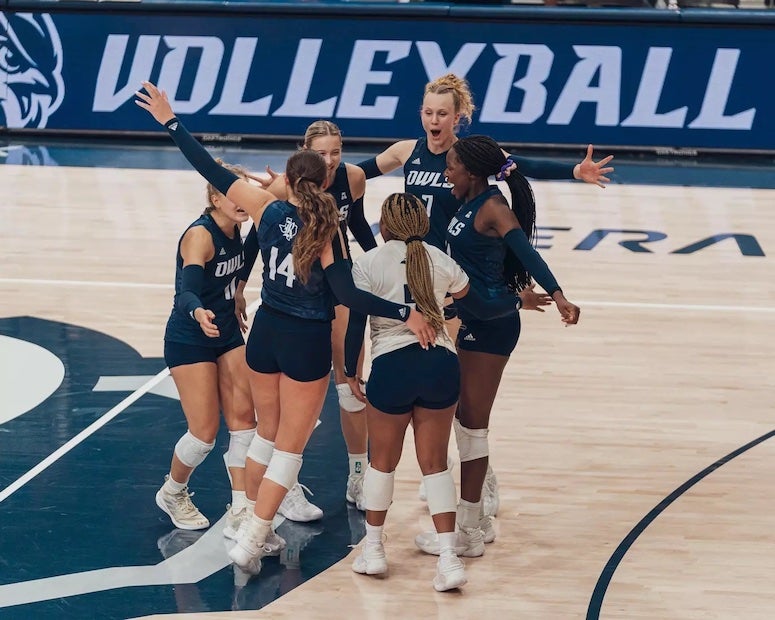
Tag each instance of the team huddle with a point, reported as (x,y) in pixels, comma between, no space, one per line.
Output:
(441,295)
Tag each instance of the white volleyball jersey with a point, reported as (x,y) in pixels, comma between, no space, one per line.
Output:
(382,271)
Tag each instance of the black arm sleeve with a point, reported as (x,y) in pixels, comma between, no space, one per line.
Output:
(199,158)
(340,278)
(541,169)
(190,289)
(353,342)
(370,167)
(485,309)
(250,249)
(359,227)
(531,259)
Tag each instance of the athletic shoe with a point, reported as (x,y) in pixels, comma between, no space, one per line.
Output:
(354,493)
(181,509)
(234,521)
(176,541)
(250,547)
(488,531)
(371,560)
(450,573)
(470,543)
(273,544)
(490,498)
(296,507)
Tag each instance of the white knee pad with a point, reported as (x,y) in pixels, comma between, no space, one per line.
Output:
(347,400)
(471,442)
(378,489)
(283,468)
(260,450)
(239,442)
(440,492)
(192,451)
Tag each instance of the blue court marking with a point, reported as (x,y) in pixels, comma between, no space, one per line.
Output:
(89,521)
(596,602)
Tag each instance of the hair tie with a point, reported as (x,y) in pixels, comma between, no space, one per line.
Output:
(408,240)
(501,176)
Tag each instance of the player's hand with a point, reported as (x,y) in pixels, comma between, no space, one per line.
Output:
(156,102)
(266,181)
(205,320)
(532,300)
(357,386)
(425,333)
(593,171)
(240,310)
(569,312)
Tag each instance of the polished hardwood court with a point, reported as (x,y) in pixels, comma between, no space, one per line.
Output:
(628,486)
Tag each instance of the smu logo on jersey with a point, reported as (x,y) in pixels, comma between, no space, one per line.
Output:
(30,69)
(227,267)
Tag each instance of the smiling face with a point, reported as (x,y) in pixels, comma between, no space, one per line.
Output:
(439,120)
(457,175)
(330,149)
(226,212)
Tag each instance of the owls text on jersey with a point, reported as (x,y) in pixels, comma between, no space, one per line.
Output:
(382,271)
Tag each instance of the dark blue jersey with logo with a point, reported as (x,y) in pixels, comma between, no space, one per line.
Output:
(281,289)
(340,190)
(220,283)
(424,177)
(480,256)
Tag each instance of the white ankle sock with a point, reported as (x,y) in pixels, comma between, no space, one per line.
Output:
(173,486)
(358,463)
(447,542)
(238,501)
(374,534)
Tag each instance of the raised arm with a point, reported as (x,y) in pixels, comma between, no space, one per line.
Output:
(251,198)
(390,159)
(586,170)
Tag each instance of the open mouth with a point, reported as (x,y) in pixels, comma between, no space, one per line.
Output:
(435,132)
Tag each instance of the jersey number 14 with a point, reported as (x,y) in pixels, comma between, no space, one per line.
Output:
(285,268)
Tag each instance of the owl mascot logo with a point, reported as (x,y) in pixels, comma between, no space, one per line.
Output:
(31,85)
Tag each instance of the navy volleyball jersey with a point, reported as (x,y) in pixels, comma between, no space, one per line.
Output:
(480,256)
(220,283)
(424,177)
(281,289)
(340,190)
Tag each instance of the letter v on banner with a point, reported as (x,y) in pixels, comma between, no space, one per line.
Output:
(107,96)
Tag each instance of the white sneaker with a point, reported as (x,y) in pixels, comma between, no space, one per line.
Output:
(371,560)
(488,531)
(273,544)
(470,543)
(296,507)
(354,493)
(234,521)
(250,547)
(490,497)
(180,509)
(450,573)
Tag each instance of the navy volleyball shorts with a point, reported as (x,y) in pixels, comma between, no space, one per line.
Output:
(180,354)
(299,348)
(410,376)
(496,336)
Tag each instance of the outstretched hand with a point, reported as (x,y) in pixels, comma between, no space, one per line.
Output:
(424,331)
(532,300)
(155,101)
(265,182)
(591,171)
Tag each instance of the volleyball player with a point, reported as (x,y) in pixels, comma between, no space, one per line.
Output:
(491,240)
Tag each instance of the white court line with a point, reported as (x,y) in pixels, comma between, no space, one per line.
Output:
(34,281)
(91,429)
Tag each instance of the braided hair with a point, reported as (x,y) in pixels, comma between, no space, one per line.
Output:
(306,172)
(483,157)
(404,216)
